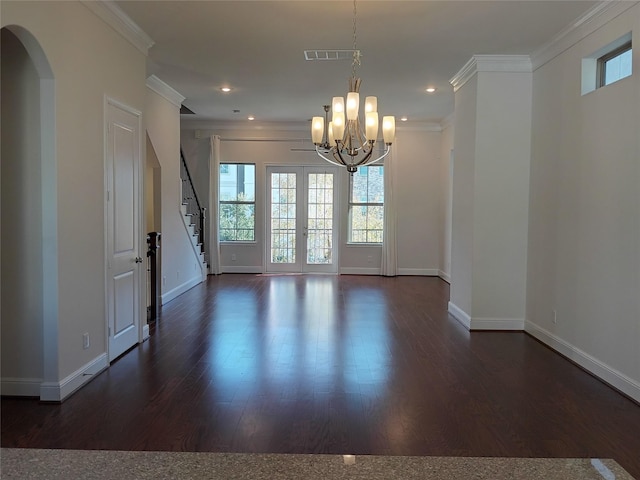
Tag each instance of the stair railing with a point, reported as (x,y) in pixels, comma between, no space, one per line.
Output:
(190,199)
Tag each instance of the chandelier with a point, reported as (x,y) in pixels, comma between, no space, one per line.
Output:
(345,143)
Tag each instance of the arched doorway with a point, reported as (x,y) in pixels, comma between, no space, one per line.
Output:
(29,239)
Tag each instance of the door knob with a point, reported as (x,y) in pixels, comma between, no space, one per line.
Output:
(138,259)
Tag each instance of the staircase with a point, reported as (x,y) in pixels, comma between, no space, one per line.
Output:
(193,214)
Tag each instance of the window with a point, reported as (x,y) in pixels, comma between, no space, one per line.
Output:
(614,65)
(237,202)
(366,205)
(609,64)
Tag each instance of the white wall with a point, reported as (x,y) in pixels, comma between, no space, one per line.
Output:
(463,181)
(491,192)
(417,156)
(180,267)
(584,226)
(417,189)
(445,207)
(501,197)
(22,274)
(89,60)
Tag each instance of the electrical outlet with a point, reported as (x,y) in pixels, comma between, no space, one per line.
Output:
(85,341)
(555,317)
(369,259)
(233,257)
(164,281)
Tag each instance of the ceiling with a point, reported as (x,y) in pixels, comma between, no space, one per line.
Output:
(257,48)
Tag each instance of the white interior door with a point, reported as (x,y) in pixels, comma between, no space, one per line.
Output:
(302,228)
(124,224)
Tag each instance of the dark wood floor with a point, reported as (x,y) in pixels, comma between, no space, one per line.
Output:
(334,364)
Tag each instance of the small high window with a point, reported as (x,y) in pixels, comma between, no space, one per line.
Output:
(615,65)
(607,65)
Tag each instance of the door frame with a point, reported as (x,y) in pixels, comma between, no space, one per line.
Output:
(143,327)
(301,207)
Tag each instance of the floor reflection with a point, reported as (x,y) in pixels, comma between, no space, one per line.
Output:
(306,336)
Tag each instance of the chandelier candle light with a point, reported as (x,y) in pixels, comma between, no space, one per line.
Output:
(345,143)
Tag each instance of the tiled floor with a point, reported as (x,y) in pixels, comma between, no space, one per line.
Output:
(94,464)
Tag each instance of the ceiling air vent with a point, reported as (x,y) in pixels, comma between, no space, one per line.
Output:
(329,54)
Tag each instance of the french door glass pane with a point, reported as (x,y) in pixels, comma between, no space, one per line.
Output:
(283,218)
(320,218)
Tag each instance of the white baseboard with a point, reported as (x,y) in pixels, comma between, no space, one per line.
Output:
(180,289)
(476,323)
(58,391)
(20,387)
(359,271)
(460,315)
(610,375)
(421,272)
(145,332)
(243,269)
(445,276)
(497,324)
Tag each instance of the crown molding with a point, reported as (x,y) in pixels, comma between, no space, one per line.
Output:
(113,16)
(491,63)
(418,126)
(464,74)
(164,90)
(242,125)
(588,23)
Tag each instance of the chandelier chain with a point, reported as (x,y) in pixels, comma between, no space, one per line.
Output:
(356,53)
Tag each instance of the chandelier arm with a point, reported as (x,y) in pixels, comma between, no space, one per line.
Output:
(337,154)
(362,139)
(328,159)
(363,160)
(386,152)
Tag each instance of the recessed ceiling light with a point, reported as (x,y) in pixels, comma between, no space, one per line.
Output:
(403,119)
(251,117)
(431,89)
(226,89)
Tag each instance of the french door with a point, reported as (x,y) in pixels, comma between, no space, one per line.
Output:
(301,219)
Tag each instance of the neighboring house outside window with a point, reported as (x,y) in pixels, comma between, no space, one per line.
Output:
(366,205)
(237,202)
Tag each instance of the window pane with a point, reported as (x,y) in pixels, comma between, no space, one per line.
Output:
(319,230)
(237,182)
(368,185)
(283,214)
(375,193)
(617,67)
(237,222)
